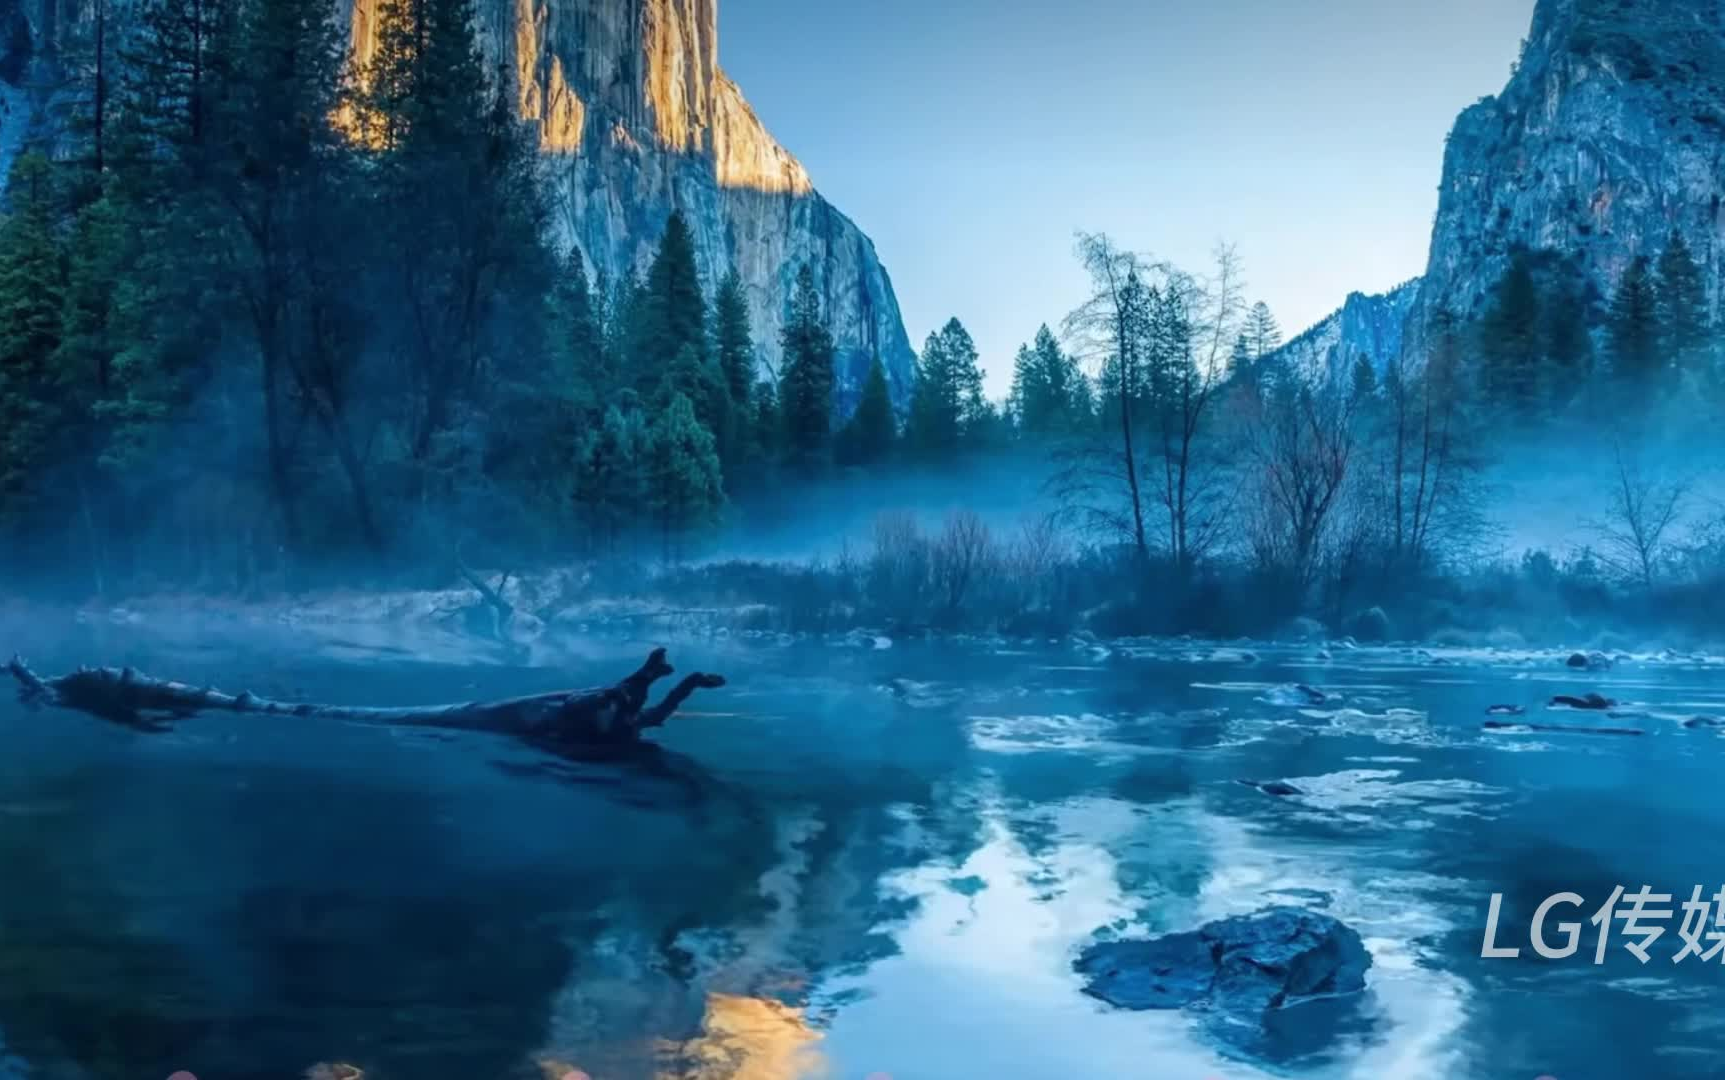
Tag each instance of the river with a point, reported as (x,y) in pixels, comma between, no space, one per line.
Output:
(852,862)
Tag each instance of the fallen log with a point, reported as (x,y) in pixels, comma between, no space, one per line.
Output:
(569,723)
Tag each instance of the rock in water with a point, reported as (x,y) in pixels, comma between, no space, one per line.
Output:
(1239,970)
(1591,702)
(1594,661)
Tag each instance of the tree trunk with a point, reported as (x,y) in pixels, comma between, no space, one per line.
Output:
(569,723)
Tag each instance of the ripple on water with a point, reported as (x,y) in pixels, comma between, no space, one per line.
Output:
(1360,797)
(1082,733)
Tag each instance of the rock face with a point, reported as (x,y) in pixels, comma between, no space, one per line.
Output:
(1240,970)
(1365,325)
(1609,136)
(636,118)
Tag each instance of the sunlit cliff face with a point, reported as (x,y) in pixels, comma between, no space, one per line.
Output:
(637,71)
(636,119)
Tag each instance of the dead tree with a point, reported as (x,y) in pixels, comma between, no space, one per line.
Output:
(569,723)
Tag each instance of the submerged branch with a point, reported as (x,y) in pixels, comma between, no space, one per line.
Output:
(571,723)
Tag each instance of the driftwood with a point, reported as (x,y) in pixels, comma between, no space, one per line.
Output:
(569,723)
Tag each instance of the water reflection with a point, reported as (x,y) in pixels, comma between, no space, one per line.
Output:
(872,863)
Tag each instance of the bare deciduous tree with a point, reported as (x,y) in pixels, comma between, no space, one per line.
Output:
(1191,349)
(1108,330)
(1639,519)
(1419,489)
(1300,443)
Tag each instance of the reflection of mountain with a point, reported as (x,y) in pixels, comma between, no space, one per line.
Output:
(748,1038)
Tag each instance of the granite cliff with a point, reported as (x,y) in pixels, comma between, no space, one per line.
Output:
(1609,137)
(635,118)
(1369,326)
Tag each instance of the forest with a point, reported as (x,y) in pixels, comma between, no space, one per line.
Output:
(270,319)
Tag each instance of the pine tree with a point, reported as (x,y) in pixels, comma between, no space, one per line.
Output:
(767,424)
(694,376)
(1049,393)
(868,438)
(672,318)
(735,355)
(455,185)
(32,306)
(1242,365)
(806,382)
(1509,339)
(1634,331)
(1683,322)
(577,322)
(1364,384)
(686,486)
(1263,335)
(610,488)
(1564,334)
(946,405)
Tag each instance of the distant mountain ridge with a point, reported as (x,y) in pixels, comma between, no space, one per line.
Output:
(1369,325)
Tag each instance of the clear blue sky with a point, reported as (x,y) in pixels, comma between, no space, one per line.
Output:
(971,138)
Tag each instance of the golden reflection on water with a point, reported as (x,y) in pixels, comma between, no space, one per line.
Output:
(749,1038)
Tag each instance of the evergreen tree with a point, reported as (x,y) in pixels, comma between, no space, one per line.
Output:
(1050,396)
(32,304)
(1509,339)
(672,319)
(578,322)
(1567,344)
(734,352)
(1364,380)
(610,489)
(455,184)
(1242,365)
(767,426)
(1683,322)
(946,405)
(731,340)
(686,488)
(1263,335)
(1634,331)
(693,375)
(806,382)
(868,438)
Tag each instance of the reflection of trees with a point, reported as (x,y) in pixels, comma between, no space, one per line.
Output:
(243,922)
(244,909)
(77,984)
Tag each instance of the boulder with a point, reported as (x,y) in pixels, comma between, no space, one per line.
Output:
(1239,971)
(1593,661)
(1591,702)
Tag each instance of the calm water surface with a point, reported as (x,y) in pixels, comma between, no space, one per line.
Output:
(854,862)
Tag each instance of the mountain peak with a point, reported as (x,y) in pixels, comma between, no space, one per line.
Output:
(1605,141)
